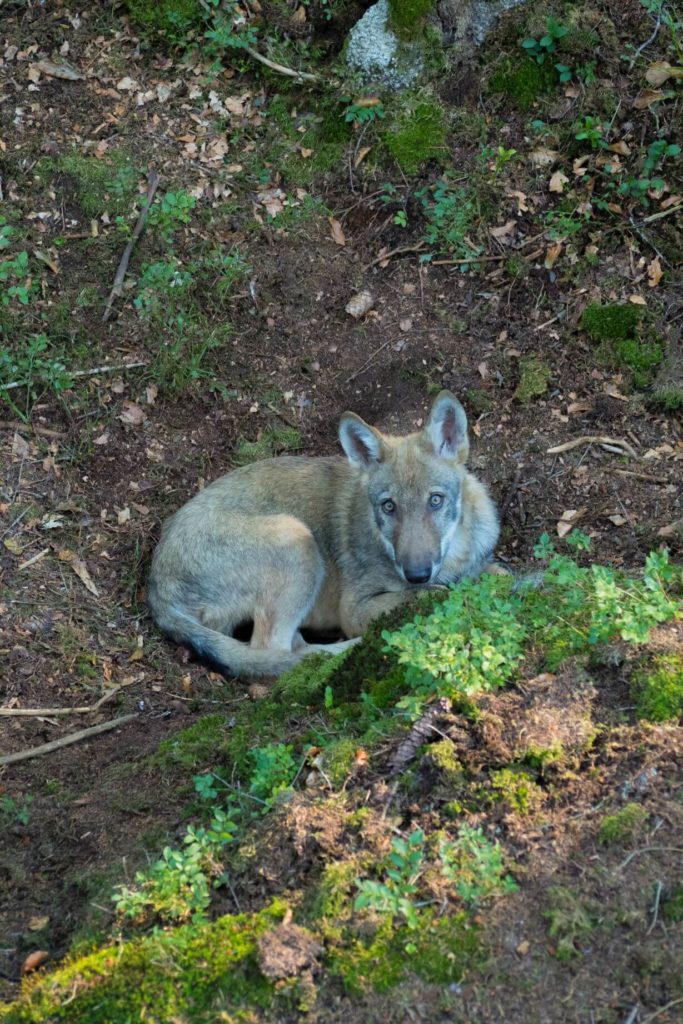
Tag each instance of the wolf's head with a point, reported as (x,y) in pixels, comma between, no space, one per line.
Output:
(414,485)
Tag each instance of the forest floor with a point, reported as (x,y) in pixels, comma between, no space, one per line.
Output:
(231,341)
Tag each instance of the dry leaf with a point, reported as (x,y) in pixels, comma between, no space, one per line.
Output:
(618,520)
(543,157)
(552,252)
(622,148)
(520,198)
(33,74)
(567,521)
(504,230)
(558,181)
(305,152)
(13,545)
(34,960)
(337,231)
(637,300)
(660,71)
(102,439)
(151,392)
(132,415)
(80,568)
(38,922)
(654,273)
(360,303)
(53,70)
(299,16)
(483,370)
(123,516)
(646,97)
(578,166)
(362,153)
(20,447)
(127,85)
(672,529)
(273,200)
(367,101)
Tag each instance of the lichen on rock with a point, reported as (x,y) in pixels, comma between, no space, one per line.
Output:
(378,55)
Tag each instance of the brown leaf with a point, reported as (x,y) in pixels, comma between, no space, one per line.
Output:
(38,922)
(646,97)
(20,447)
(654,273)
(520,198)
(622,148)
(558,181)
(360,303)
(80,568)
(53,70)
(660,71)
(132,415)
(34,960)
(543,157)
(151,392)
(504,230)
(618,520)
(337,231)
(637,300)
(552,252)
(362,153)
(367,101)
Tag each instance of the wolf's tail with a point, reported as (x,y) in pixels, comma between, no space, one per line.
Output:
(233,656)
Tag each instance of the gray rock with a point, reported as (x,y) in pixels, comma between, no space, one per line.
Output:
(378,55)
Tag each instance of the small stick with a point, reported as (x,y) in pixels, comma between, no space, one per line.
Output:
(633,1014)
(32,561)
(642,476)
(469,259)
(662,213)
(125,259)
(395,252)
(661,1010)
(52,712)
(655,907)
(368,361)
(303,76)
(592,439)
(75,373)
(282,416)
(29,427)
(65,741)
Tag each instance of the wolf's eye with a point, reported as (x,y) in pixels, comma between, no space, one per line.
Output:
(388,507)
(436,500)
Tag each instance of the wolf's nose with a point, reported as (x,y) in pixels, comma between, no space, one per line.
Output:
(421,574)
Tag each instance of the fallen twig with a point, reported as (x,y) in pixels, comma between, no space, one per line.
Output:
(74,373)
(304,76)
(655,907)
(368,361)
(642,476)
(469,259)
(661,1010)
(65,741)
(624,446)
(125,259)
(395,252)
(29,427)
(662,213)
(282,416)
(53,712)
(32,561)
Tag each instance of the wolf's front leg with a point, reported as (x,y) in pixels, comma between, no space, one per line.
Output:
(357,614)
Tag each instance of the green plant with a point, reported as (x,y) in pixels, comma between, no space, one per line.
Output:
(474,867)
(32,368)
(524,81)
(395,895)
(159,284)
(14,811)
(593,132)
(229,29)
(657,153)
(171,210)
(274,771)
(623,825)
(419,135)
(365,112)
(544,47)
(570,920)
(451,213)
(16,269)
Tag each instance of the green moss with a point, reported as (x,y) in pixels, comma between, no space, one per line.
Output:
(306,682)
(517,267)
(623,825)
(523,81)
(439,950)
(271,443)
(101,185)
(641,358)
(193,747)
(443,757)
(407,17)
(570,919)
(333,897)
(518,790)
(193,967)
(658,688)
(170,18)
(668,398)
(542,757)
(533,381)
(338,760)
(418,137)
(479,401)
(672,905)
(612,322)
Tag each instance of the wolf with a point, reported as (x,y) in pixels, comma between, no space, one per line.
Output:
(327,544)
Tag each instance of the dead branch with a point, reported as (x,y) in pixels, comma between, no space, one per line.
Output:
(642,476)
(65,741)
(394,252)
(303,76)
(368,361)
(125,259)
(53,712)
(593,439)
(422,731)
(29,428)
(74,373)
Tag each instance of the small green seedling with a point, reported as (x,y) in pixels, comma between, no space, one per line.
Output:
(547,44)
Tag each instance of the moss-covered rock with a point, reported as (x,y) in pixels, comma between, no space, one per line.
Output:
(533,381)
(624,825)
(657,687)
(615,326)
(407,17)
(419,135)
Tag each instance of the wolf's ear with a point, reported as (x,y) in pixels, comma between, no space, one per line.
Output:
(446,428)
(362,444)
